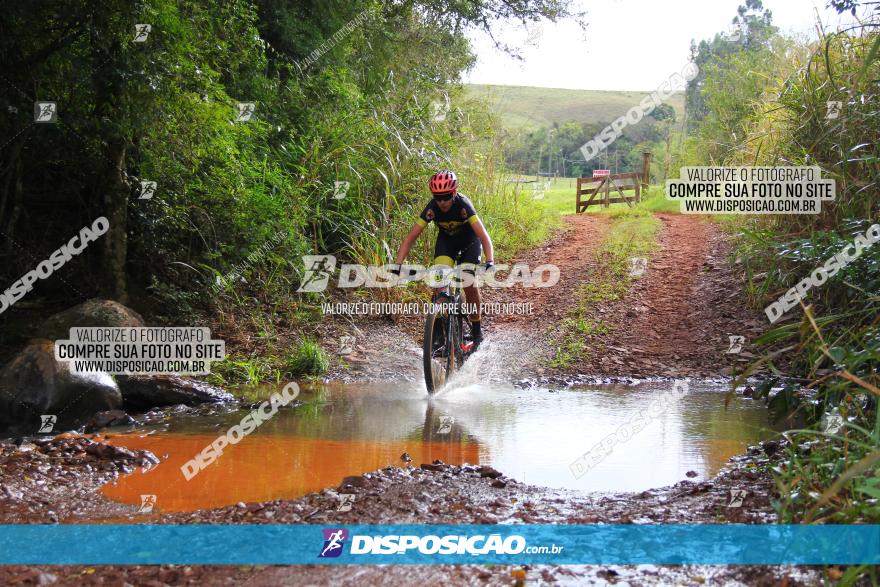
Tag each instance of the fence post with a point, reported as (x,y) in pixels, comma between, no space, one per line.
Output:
(646,173)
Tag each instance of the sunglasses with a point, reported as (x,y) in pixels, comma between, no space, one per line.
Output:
(444,197)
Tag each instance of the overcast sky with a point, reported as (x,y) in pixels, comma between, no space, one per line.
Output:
(629,44)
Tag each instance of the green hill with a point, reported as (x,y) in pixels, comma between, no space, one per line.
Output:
(526,106)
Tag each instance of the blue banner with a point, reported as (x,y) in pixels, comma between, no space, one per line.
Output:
(440,544)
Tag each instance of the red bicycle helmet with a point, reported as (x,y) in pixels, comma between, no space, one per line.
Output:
(443,182)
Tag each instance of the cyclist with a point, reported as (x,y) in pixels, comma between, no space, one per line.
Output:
(459,230)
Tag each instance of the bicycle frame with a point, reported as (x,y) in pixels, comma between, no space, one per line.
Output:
(448,308)
(453,295)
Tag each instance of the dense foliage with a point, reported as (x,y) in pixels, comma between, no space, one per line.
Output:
(364,92)
(764,100)
(557,150)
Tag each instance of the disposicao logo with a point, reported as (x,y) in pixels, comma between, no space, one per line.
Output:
(394,544)
(334,538)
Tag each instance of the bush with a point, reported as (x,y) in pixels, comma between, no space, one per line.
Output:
(308,359)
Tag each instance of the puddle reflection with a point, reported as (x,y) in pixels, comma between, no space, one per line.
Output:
(532,435)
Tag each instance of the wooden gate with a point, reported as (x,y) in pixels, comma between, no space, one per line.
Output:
(588,188)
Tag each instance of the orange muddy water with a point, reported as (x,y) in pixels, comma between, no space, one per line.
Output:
(532,435)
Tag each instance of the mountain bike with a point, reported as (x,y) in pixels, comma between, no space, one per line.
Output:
(444,348)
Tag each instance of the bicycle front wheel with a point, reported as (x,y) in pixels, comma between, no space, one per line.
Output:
(434,351)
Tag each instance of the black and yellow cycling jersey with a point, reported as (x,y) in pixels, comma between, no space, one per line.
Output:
(456,222)
(456,235)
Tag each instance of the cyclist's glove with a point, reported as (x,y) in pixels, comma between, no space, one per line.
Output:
(488,265)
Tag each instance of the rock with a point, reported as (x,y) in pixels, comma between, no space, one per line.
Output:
(608,573)
(34,577)
(431,467)
(107,419)
(770,447)
(11,494)
(91,313)
(122,453)
(146,458)
(499,484)
(353,481)
(142,392)
(691,473)
(108,451)
(33,383)
(169,575)
(486,471)
(406,458)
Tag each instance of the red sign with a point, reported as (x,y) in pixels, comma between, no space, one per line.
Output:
(601,172)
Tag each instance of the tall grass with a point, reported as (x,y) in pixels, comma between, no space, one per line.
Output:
(792,126)
(831,473)
(387,158)
(831,342)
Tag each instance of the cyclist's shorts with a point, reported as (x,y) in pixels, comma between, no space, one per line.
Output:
(448,247)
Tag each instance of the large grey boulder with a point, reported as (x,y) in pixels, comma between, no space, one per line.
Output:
(142,392)
(34,384)
(91,313)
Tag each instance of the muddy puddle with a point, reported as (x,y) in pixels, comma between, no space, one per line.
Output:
(532,435)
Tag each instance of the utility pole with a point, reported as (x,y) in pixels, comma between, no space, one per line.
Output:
(540,156)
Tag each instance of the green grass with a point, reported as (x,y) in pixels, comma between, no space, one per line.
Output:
(306,359)
(559,199)
(531,107)
(244,370)
(574,343)
(633,234)
(655,201)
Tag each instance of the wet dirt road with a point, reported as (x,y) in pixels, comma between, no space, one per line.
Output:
(294,470)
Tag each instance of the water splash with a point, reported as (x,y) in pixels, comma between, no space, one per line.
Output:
(501,358)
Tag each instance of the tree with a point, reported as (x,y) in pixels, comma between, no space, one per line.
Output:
(666,115)
(164,111)
(751,31)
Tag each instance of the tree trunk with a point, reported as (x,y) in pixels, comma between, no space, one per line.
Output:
(668,158)
(115,242)
(16,177)
(114,191)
